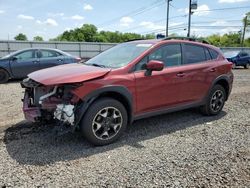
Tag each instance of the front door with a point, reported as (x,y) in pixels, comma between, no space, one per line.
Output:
(24,63)
(162,88)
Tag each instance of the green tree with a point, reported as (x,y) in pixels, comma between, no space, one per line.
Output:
(247,42)
(149,36)
(21,36)
(89,33)
(230,39)
(38,38)
(214,39)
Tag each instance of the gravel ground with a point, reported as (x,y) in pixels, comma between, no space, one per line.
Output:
(183,149)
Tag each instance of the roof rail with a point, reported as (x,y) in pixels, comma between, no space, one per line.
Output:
(134,40)
(187,38)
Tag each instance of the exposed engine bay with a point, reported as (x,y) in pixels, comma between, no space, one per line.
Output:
(49,102)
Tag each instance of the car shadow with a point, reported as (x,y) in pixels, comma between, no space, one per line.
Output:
(34,144)
(239,68)
(13,81)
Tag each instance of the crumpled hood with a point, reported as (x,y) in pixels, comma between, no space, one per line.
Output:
(70,73)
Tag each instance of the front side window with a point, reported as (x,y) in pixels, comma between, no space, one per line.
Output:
(26,55)
(170,55)
(194,54)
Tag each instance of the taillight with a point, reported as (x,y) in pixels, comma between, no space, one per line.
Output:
(78,59)
(230,64)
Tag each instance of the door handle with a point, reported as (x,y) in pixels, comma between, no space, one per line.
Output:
(59,60)
(212,70)
(180,74)
(36,61)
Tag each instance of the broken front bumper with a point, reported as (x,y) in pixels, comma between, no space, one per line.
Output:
(32,114)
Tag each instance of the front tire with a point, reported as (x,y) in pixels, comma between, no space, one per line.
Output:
(215,101)
(104,122)
(4,76)
(247,66)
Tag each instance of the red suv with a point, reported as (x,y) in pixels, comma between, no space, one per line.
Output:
(130,81)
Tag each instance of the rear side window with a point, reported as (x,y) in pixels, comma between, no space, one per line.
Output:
(194,54)
(208,56)
(213,53)
(48,53)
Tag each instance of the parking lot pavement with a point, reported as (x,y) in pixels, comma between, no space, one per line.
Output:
(176,150)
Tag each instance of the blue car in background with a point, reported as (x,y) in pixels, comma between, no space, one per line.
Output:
(238,58)
(20,63)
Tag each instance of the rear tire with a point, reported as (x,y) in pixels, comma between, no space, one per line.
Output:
(247,65)
(104,122)
(4,76)
(215,101)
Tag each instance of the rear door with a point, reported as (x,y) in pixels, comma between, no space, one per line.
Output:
(25,63)
(199,70)
(50,58)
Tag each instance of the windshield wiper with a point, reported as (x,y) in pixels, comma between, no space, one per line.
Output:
(97,65)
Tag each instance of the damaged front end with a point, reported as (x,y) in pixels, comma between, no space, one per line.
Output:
(46,103)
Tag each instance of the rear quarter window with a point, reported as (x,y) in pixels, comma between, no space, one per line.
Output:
(213,53)
(208,56)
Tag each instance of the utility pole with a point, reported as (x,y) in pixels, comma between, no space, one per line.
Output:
(189,18)
(192,5)
(244,31)
(167,17)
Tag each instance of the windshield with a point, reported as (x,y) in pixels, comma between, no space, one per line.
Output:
(118,56)
(9,55)
(231,54)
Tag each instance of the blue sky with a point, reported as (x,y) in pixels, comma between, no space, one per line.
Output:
(48,18)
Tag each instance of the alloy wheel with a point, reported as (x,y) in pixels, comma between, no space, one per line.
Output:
(217,101)
(107,123)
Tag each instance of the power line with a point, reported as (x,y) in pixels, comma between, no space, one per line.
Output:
(211,10)
(158,3)
(155,21)
(136,12)
(184,26)
(221,9)
(161,20)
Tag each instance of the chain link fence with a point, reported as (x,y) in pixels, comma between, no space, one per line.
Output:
(80,49)
(84,50)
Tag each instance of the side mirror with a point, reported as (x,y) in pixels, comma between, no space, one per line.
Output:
(13,58)
(153,65)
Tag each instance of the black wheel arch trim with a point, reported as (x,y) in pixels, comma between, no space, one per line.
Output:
(91,97)
(221,78)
